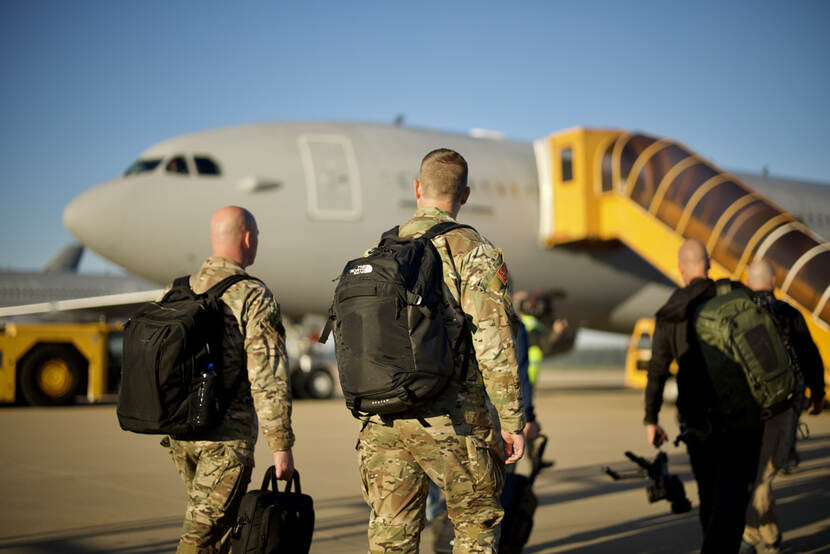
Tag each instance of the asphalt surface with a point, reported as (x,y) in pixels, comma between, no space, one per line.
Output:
(73,482)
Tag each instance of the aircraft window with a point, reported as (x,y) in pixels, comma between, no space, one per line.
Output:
(206,166)
(142,166)
(567,164)
(177,165)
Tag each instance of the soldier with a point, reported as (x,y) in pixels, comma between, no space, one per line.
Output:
(762,531)
(216,470)
(723,462)
(449,439)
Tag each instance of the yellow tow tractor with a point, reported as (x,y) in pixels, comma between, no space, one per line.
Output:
(47,364)
(638,356)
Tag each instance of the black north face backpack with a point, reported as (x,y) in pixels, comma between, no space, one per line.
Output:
(391,342)
(172,362)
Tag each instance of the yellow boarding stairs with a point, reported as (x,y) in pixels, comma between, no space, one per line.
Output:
(652,193)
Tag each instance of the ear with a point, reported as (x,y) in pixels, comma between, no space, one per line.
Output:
(246,240)
(464,196)
(416,185)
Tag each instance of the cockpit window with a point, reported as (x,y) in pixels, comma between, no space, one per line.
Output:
(142,166)
(177,165)
(206,166)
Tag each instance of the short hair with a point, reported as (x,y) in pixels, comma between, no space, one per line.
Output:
(443,173)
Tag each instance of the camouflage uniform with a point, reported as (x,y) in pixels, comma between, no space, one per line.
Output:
(217,470)
(450,439)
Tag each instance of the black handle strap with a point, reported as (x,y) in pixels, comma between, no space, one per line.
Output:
(324,334)
(269,482)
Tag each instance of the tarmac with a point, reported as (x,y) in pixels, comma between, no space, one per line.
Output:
(73,482)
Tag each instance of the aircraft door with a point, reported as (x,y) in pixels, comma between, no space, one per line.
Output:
(332,178)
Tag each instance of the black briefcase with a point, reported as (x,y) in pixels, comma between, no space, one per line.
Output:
(274,522)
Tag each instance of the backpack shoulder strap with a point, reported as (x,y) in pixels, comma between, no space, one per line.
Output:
(432,232)
(391,234)
(443,227)
(183,281)
(179,287)
(219,288)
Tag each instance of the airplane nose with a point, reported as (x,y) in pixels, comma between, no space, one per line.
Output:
(93,216)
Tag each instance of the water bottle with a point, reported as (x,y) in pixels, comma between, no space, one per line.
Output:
(206,398)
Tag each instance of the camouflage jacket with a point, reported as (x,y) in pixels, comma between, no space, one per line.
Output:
(254,342)
(476,288)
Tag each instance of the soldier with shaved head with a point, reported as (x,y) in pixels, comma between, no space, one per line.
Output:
(449,439)
(724,462)
(217,468)
(762,532)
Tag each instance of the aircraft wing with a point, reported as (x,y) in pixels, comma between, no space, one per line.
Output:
(110,306)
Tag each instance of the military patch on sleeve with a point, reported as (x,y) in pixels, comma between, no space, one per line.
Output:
(498,283)
(502,274)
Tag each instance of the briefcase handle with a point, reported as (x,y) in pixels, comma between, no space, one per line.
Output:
(271,479)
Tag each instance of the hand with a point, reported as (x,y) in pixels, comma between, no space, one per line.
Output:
(655,435)
(514,446)
(284,464)
(816,405)
(531,430)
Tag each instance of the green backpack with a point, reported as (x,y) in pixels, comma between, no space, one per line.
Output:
(747,358)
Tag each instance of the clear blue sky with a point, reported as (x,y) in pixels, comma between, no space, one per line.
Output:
(85,86)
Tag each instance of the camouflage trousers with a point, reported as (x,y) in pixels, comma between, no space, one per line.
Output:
(396,464)
(216,475)
(761,521)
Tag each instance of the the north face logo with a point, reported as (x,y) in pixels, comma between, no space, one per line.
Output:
(361,269)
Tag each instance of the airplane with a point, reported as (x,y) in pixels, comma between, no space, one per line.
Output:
(588,219)
(323,192)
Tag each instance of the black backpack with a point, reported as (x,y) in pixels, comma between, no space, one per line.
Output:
(172,363)
(270,521)
(391,342)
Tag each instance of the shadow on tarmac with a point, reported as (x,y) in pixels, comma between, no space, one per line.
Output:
(77,541)
(802,500)
(581,509)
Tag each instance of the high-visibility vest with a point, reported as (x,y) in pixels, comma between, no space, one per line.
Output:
(534,353)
